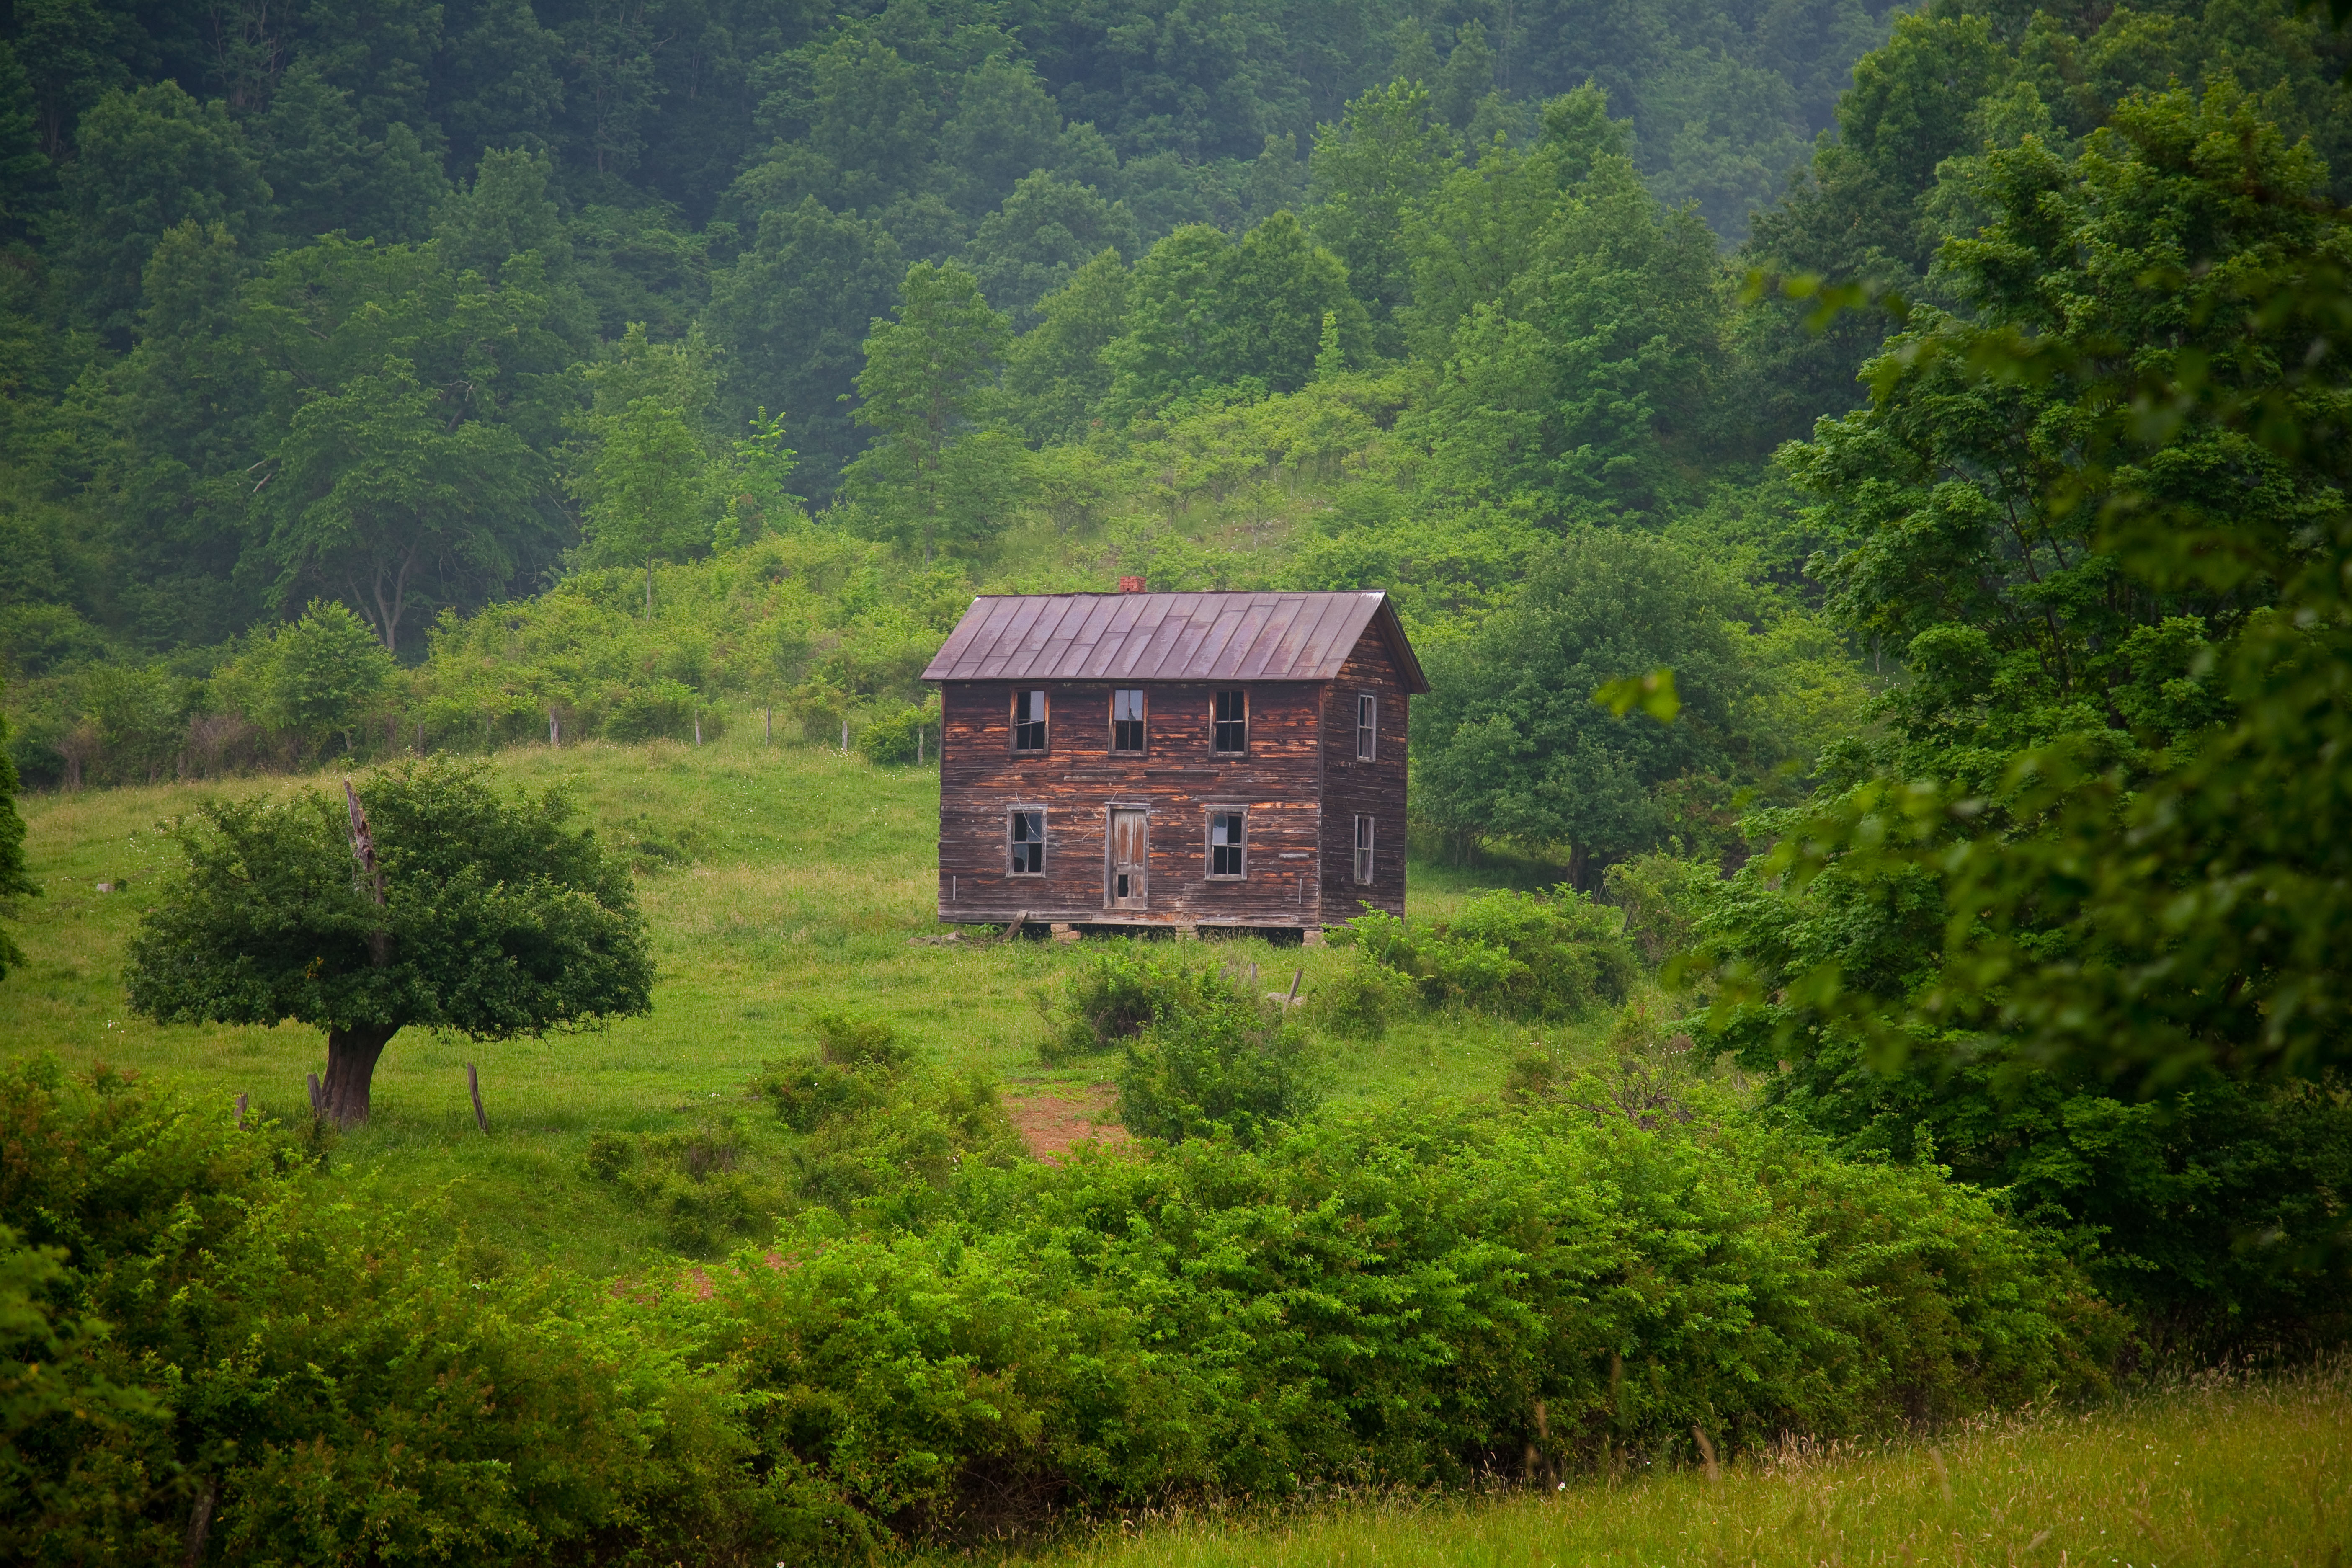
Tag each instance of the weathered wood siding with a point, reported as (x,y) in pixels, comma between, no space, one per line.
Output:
(1079,778)
(1375,789)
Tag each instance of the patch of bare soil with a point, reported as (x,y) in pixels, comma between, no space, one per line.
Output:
(1052,1120)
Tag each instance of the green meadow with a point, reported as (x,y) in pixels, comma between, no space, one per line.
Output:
(780,882)
(2211,1472)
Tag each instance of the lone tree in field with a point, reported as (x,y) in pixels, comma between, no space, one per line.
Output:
(422,897)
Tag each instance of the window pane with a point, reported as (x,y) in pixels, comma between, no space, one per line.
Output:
(1127,720)
(1028,721)
(1231,727)
(1028,835)
(1368,729)
(1225,843)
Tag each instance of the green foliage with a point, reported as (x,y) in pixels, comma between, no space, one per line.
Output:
(648,480)
(1664,897)
(931,481)
(1358,1002)
(693,1181)
(2005,928)
(494,919)
(1211,1061)
(15,877)
(272,1352)
(147,160)
(1205,312)
(321,678)
(1524,955)
(1120,987)
(899,734)
(1511,741)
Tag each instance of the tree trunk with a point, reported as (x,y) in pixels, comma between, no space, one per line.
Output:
(351,1054)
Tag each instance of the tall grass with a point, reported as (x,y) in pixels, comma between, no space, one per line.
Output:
(2218,1471)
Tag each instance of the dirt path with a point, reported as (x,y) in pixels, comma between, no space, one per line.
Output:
(1053,1120)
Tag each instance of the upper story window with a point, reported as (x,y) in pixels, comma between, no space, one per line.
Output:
(1368,727)
(1227,831)
(1363,849)
(1230,733)
(1028,721)
(1127,720)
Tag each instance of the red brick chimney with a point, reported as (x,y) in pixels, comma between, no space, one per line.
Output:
(1130,585)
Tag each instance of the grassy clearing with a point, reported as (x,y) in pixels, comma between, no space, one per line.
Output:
(2213,1473)
(782,883)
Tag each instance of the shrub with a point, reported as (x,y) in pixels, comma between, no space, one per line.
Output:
(1225,1063)
(691,1181)
(1118,988)
(849,1041)
(889,737)
(337,1389)
(1662,898)
(1525,955)
(1358,1002)
(1386,1298)
(808,1091)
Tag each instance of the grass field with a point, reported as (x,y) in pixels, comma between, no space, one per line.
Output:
(790,882)
(2215,1473)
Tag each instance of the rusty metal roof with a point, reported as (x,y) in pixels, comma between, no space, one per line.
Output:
(1169,637)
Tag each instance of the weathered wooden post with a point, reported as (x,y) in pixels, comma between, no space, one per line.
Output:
(240,1113)
(474,1087)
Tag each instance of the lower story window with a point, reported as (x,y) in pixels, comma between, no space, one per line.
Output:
(1363,849)
(1226,829)
(1028,836)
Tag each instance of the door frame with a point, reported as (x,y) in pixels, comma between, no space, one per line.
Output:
(1111,854)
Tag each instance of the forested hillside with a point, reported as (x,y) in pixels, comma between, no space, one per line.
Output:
(401,312)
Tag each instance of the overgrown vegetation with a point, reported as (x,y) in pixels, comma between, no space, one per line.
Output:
(1021,1338)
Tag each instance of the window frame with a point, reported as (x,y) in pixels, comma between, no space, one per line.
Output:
(1368,727)
(1217,724)
(1044,722)
(1366,868)
(1142,723)
(1014,811)
(1209,845)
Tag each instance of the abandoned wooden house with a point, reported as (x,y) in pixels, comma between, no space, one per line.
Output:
(1174,760)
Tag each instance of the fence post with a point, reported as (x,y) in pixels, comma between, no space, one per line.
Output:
(240,1113)
(474,1087)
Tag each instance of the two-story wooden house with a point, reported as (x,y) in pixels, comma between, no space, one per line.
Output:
(1174,760)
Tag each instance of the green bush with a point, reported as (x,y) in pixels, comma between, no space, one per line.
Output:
(339,1390)
(890,735)
(1539,956)
(1358,1002)
(847,1040)
(692,1182)
(1118,987)
(1224,1063)
(1662,898)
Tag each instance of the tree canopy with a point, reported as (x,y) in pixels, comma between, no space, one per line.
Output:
(427,899)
